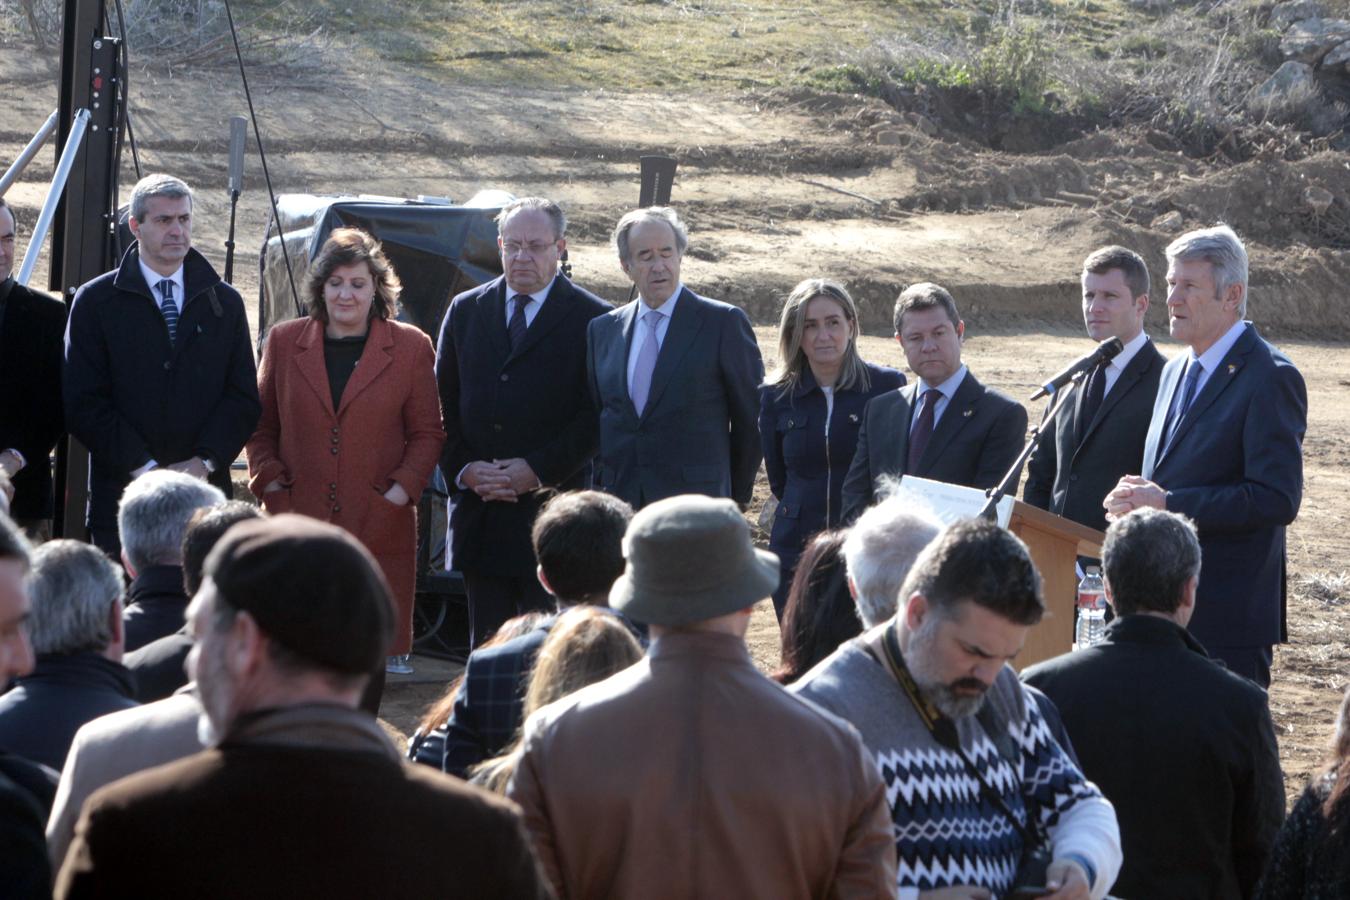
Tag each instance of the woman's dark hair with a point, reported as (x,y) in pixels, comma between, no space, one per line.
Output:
(347,247)
(819,614)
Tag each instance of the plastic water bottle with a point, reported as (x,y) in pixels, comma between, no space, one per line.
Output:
(1091,626)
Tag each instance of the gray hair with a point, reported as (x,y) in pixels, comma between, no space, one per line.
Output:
(880,550)
(73,587)
(1221,248)
(1148,556)
(540,204)
(154,515)
(650,214)
(157,185)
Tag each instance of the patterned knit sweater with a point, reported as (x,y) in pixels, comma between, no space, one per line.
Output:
(946,832)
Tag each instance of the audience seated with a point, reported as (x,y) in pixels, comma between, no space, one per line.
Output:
(690,774)
(576,538)
(24,872)
(427,744)
(302,794)
(76,629)
(585,646)
(116,745)
(151,520)
(159,666)
(1311,858)
(818,614)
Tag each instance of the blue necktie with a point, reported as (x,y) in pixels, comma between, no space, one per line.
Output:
(1193,370)
(516,328)
(169,308)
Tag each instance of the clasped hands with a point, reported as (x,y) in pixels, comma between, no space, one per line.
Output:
(1130,493)
(500,479)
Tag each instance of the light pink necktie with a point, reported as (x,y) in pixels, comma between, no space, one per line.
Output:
(641,386)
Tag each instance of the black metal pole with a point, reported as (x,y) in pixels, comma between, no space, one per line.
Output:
(229,240)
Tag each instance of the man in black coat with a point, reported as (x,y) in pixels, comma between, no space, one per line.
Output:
(945,426)
(159,367)
(1099,435)
(31,329)
(511,366)
(1184,748)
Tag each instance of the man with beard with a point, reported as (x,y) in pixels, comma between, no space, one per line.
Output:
(975,778)
(301,793)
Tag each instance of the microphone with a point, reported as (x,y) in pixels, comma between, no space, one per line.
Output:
(238,138)
(1107,350)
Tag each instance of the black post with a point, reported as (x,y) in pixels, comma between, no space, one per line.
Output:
(229,240)
(84,229)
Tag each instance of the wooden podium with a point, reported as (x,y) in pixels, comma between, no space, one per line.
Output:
(1055,544)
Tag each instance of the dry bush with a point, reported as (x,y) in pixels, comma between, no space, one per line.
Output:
(171,33)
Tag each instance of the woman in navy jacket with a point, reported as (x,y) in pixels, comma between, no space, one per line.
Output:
(809,413)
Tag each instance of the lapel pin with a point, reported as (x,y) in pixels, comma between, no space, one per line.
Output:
(1231,368)
(853,417)
(968,413)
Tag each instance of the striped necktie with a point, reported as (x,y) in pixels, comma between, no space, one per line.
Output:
(169,308)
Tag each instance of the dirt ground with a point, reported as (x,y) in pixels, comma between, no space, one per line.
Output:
(779,187)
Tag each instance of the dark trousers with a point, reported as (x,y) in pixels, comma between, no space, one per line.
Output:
(495,598)
(1249,662)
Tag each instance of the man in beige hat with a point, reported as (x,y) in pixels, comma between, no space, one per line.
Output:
(691,774)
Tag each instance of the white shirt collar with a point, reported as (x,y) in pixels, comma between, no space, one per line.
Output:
(538,296)
(668,308)
(1132,347)
(1211,358)
(948,387)
(153,278)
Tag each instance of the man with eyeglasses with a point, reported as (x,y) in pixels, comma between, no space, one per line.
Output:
(511,365)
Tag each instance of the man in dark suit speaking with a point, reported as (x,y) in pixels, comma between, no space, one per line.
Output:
(511,367)
(1099,435)
(674,377)
(1225,448)
(32,328)
(946,425)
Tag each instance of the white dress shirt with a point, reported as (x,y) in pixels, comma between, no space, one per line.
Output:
(947,389)
(532,308)
(153,278)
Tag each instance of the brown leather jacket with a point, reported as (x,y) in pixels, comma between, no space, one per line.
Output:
(691,775)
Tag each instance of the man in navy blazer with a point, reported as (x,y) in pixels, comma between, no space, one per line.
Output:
(1099,434)
(674,377)
(511,367)
(946,425)
(1225,447)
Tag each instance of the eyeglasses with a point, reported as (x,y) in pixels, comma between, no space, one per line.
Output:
(536,249)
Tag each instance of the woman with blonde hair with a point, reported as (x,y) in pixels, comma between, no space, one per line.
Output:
(588,644)
(351,422)
(810,411)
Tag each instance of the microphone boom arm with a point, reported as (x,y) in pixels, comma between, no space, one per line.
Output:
(1058,400)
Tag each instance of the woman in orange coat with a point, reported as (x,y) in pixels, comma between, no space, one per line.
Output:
(351,421)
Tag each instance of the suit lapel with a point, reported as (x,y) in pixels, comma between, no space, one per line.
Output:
(374,359)
(1124,384)
(557,306)
(620,345)
(958,412)
(901,429)
(309,360)
(680,333)
(1167,386)
(1217,382)
(492,307)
